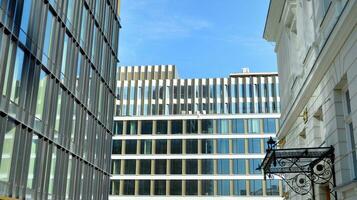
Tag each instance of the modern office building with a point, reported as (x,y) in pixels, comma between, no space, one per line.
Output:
(192,138)
(58,62)
(316,46)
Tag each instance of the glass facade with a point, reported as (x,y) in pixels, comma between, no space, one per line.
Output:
(58,83)
(203,145)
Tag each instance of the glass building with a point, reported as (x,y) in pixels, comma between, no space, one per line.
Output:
(58,63)
(192,138)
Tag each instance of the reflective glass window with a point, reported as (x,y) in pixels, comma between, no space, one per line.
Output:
(175,187)
(116,147)
(176,166)
(118,128)
(160,166)
(161,127)
(145,166)
(207,146)
(191,126)
(130,166)
(254,145)
(253,165)
(239,166)
(223,146)
(191,166)
(239,187)
(130,147)
(131,127)
(144,187)
(207,166)
(145,146)
(223,166)
(176,127)
(207,187)
(269,125)
(207,126)
(161,147)
(16,78)
(129,187)
(191,187)
(176,146)
(238,126)
(223,187)
(238,145)
(222,126)
(253,125)
(146,127)
(191,146)
(256,187)
(160,187)
(272,187)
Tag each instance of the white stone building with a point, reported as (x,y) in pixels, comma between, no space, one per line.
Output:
(316,47)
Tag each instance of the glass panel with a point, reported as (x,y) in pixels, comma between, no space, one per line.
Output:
(191,187)
(223,146)
(254,145)
(116,166)
(272,187)
(239,187)
(161,147)
(145,147)
(191,166)
(26,10)
(269,125)
(223,187)
(145,166)
(58,114)
(175,187)
(129,187)
(253,125)
(144,187)
(115,186)
(238,126)
(207,126)
(160,187)
(52,171)
(176,126)
(7,151)
(116,147)
(31,172)
(40,102)
(191,126)
(118,128)
(207,166)
(176,146)
(130,166)
(239,166)
(47,38)
(238,145)
(130,146)
(207,146)
(176,167)
(223,166)
(146,127)
(207,187)
(131,128)
(160,166)
(191,146)
(161,127)
(16,79)
(256,187)
(253,165)
(222,126)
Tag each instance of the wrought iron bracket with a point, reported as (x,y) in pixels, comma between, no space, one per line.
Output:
(301,168)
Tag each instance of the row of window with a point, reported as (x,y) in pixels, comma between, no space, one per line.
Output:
(198,91)
(207,126)
(190,146)
(186,166)
(158,108)
(191,187)
(147,72)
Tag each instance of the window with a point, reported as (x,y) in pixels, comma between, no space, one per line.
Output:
(160,187)
(176,126)
(207,187)
(191,187)
(191,166)
(175,187)
(146,127)
(239,166)
(272,187)
(207,126)
(161,146)
(130,166)
(269,125)
(118,128)
(238,145)
(144,187)
(207,146)
(7,151)
(115,186)
(145,166)
(176,167)
(253,126)
(222,126)
(116,147)
(253,165)
(131,128)
(26,10)
(47,44)
(31,171)
(256,187)
(83,26)
(223,166)
(254,145)
(16,78)
(129,187)
(115,166)
(207,166)
(161,127)
(191,126)
(130,147)
(145,146)
(40,101)
(191,146)
(239,188)
(160,166)
(223,146)
(176,146)
(238,126)
(223,187)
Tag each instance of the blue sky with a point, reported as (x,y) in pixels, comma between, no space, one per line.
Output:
(203,38)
